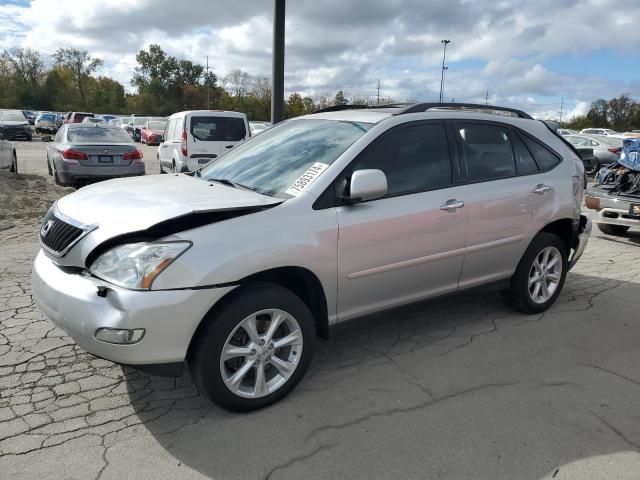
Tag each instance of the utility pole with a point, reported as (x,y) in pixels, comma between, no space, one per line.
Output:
(277,77)
(378,92)
(561,109)
(486,99)
(444,55)
(207,81)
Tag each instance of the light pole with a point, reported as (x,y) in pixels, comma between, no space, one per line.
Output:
(444,55)
(277,79)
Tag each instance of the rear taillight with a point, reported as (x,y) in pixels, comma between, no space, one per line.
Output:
(615,150)
(183,143)
(135,155)
(71,154)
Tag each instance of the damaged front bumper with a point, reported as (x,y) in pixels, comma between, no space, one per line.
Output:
(580,240)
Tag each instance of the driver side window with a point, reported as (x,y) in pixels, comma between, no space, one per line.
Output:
(414,158)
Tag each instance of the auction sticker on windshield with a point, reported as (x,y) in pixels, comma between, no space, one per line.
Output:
(306,179)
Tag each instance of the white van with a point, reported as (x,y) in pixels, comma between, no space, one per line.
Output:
(192,139)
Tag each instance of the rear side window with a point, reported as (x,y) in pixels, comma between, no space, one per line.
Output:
(544,157)
(78,117)
(218,129)
(414,159)
(488,151)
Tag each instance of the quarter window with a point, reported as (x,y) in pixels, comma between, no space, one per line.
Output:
(414,159)
(525,164)
(488,151)
(544,157)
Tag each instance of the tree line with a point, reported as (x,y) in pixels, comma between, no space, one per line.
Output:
(164,85)
(621,113)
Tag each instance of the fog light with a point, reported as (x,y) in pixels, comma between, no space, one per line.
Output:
(120,335)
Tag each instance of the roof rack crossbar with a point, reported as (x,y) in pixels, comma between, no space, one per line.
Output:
(423,107)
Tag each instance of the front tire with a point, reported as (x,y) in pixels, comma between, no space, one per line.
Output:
(14,164)
(616,230)
(540,275)
(254,349)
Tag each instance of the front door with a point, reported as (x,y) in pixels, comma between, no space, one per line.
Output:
(408,245)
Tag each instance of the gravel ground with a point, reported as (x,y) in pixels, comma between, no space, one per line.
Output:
(460,388)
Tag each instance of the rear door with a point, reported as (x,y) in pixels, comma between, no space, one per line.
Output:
(408,245)
(507,196)
(211,134)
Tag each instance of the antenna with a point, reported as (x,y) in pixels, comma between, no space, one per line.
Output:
(207,82)
(561,108)
(378,102)
(486,98)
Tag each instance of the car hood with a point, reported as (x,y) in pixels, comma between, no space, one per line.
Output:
(128,205)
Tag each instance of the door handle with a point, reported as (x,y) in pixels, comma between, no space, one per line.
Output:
(451,205)
(541,189)
(229,146)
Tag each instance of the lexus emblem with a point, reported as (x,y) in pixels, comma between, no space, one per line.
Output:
(46,227)
(105,151)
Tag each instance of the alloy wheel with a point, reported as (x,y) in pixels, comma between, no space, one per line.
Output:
(261,353)
(545,275)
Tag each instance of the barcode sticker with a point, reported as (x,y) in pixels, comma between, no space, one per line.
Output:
(306,179)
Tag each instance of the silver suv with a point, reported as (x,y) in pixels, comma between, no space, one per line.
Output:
(234,270)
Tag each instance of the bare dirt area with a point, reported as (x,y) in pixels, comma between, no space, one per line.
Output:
(462,387)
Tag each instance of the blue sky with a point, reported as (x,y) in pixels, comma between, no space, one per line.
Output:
(525,54)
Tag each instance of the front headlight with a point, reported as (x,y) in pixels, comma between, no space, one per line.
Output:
(136,265)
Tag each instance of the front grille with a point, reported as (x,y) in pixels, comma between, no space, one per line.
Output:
(57,235)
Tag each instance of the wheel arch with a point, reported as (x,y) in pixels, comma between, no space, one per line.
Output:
(299,280)
(563,228)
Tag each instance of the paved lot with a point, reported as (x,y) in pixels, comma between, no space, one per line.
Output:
(459,388)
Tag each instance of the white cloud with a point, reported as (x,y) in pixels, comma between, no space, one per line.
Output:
(349,45)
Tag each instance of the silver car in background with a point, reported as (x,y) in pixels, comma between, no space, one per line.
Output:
(605,149)
(83,153)
(236,268)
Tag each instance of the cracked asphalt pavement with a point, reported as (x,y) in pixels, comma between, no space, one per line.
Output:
(462,387)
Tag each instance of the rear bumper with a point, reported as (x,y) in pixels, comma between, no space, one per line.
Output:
(70,173)
(169,317)
(581,240)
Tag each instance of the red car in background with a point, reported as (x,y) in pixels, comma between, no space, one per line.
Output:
(152,132)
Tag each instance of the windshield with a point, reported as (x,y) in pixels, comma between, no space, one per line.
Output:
(97,135)
(274,161)
(217,129)
(12,116)
(157,125)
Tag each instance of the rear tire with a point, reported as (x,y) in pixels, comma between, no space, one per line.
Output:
(595,168)
(537,282)
(174,169)
(49,167)
(160,165)
(14,164)
(281,367)
(616,230)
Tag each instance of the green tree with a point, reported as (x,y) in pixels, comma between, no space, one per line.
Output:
(81,64)
(340,99)
(295,106)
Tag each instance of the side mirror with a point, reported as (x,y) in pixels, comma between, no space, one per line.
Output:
(46,138)
(367,185)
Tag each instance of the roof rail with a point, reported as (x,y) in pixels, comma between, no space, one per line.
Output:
(338,108)
(423,107)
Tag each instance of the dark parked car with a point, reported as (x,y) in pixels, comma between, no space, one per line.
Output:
(31,116)
(85,153)
(14,125)
(46,122)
